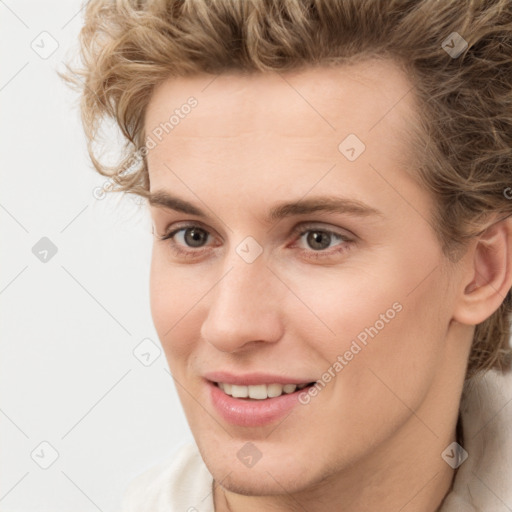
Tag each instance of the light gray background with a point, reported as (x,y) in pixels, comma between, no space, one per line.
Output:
(70,323)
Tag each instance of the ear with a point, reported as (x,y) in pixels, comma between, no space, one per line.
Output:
(488,274)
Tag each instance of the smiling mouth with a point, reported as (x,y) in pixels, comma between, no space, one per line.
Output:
(260,391)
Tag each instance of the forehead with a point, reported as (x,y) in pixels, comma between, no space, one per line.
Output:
(316,100)
(261,123)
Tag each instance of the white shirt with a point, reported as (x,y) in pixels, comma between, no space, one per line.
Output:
(483,482)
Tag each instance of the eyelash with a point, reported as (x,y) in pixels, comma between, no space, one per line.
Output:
(298,231)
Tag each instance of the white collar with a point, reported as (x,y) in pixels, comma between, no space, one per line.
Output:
(483,482)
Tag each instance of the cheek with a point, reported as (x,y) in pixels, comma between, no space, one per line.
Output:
(172,299)
(387,325)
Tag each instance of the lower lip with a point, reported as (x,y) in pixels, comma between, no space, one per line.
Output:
(252,413)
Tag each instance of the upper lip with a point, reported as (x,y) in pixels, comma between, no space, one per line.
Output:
(253,379)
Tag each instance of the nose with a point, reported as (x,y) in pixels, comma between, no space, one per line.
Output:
(244,307)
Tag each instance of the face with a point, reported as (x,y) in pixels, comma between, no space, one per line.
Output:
(346,287)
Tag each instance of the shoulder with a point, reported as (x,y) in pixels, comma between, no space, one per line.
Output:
(180,482)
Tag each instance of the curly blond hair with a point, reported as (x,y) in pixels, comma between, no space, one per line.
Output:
(458,54)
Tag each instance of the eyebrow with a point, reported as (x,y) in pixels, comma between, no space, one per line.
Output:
(331,204)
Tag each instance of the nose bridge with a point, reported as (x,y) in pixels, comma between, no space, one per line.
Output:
(243,305)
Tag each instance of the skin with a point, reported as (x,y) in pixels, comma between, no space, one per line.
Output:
(372,438)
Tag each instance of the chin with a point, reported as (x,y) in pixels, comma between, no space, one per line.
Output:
(273,474)
(265,482)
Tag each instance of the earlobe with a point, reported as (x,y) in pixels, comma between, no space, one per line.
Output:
(489,274)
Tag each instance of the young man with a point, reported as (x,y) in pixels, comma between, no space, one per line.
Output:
(331,270)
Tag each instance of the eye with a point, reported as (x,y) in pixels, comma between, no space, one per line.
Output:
(319,239)
(190,241)
(192,236)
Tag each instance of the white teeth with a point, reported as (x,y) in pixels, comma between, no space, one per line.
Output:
(260,391)
(274,390)
(239,391)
